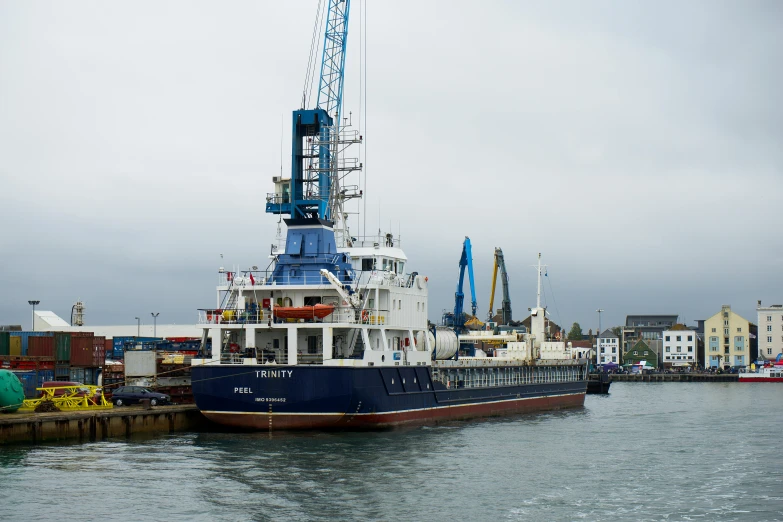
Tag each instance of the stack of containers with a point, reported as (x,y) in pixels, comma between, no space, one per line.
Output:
(121,344)
(62,356)
(84,359)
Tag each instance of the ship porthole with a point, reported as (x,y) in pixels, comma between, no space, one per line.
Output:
(428,386)
(392,380)
(403,380)
(383,358)
(414,380)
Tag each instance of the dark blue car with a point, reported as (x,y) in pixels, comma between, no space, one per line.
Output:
(135,394)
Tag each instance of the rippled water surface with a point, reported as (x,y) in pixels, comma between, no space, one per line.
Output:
(647,451)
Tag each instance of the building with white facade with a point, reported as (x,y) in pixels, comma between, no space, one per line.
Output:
(726,339)
(679,347)
(608,348)
(770,332)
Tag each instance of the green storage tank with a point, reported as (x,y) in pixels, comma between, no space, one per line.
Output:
(11,392)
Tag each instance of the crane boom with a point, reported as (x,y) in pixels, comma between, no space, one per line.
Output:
(465,261)
(315,131)
(506,306)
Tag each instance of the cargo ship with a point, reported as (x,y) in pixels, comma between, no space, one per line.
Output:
(334,333)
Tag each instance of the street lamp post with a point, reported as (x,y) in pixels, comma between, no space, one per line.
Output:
(599,334)
(154,323)
(138,327)
(33,303)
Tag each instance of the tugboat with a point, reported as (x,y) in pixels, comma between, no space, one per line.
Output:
(334,334)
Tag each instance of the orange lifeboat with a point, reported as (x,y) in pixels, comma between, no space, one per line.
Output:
(318,311)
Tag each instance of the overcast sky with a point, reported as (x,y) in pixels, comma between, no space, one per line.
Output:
(637,145)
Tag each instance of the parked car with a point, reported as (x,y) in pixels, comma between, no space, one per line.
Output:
(135,394)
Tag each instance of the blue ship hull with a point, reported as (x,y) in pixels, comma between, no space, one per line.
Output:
(268,397)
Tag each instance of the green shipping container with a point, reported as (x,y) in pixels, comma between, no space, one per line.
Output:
(5,343)
(62,346)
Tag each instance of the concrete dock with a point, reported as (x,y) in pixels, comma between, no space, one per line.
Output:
(89,426)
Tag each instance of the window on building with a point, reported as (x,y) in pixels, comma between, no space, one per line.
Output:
(739,329)
(769,351)
(690,338)
(635,352)
(725,323)
(646,352)
(668,349)
(769,318)
(725,331)
(713,330)
(769,338)
(679,337)
(614,349)
(679,349)
(769,327)
(668,338)
(602,350)
(690,349)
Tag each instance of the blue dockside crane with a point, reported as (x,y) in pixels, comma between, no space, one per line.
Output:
(457,319)
(310,188)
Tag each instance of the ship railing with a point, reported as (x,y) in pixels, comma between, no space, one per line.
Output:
(250,279)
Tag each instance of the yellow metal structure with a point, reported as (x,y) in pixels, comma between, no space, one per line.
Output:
(70,398)
(494,282)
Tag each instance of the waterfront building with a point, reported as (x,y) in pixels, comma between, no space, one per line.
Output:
(770,331)
(648,327)
(608,347)
(726,339)
(679,347)
(641,353)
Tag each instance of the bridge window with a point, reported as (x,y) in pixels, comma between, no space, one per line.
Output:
(368,264)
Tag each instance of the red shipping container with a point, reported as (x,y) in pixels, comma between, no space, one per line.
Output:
(81,351)
(98,350)
(40,346)
(82,334)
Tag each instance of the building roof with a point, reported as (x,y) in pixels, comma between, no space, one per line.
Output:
(648,320)
(608,334)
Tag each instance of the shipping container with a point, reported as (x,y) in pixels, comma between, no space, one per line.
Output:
(62,372)
(77,375)
(98,351)
(62,346)
(15,345)
(82,334)
(26,336)
(29,380)
(45,376)
(40,346)
(140,363)
(81,351)
(91,376)
(5,343)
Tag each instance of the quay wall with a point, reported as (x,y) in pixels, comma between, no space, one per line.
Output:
(90,426)
(670,377)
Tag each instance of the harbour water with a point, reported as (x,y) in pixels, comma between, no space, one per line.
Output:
(647,451)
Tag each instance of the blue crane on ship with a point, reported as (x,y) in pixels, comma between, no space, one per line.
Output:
(308,195)
(457,318)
